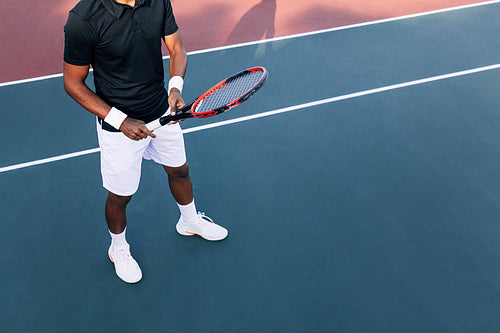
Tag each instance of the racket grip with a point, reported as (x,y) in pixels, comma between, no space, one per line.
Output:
(153,125)
(158,122)
(181,114)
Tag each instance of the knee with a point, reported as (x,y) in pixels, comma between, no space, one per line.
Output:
(179,172)
(118,200)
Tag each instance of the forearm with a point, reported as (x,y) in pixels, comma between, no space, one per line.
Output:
(74,84)
(177,68)
(89,100)
(178,63)
(132,128)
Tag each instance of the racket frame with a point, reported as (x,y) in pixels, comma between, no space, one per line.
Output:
(233,103)
(187,111)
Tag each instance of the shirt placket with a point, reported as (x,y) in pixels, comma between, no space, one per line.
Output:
(135,22)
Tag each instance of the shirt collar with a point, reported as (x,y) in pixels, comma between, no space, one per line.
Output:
(116,9)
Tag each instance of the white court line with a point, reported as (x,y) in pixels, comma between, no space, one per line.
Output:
(397,18)
(274,112)
(49,160)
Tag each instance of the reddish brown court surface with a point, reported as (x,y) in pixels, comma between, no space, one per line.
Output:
(32,30)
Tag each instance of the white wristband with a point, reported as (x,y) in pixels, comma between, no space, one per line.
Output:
(176,82)
(115,118)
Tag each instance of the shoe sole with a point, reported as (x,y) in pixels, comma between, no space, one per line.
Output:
(187,233)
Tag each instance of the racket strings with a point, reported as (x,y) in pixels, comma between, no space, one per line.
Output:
(229,92)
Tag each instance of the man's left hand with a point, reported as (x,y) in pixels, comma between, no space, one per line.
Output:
(175,102)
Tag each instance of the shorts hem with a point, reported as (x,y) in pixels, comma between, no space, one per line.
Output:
(170,165)
(120,193)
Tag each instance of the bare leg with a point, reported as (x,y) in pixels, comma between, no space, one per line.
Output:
(115,212)
(180,184)
(190,222)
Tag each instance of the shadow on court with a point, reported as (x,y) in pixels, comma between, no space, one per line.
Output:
(256,24)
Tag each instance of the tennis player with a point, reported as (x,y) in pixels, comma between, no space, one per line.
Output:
(121,39)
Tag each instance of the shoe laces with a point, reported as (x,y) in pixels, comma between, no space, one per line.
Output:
(205,218)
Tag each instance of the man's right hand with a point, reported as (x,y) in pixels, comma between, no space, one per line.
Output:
(135,129)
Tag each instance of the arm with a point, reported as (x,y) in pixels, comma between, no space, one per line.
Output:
(177,67)
(74,84)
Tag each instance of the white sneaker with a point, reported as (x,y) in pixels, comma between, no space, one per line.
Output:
(126,267)
(204,227)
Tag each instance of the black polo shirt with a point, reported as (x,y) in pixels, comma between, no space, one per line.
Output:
(123,45)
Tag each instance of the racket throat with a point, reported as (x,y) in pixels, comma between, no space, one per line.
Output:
(178,116)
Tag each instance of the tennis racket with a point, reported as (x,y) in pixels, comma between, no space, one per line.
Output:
(223,96)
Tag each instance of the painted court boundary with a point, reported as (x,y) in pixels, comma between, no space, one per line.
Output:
(357,25)
(274,112)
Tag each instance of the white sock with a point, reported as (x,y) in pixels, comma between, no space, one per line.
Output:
(118,240)
(188,212)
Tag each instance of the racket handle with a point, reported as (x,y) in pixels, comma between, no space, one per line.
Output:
(164,120)
(157,123)
(153,125)
(181,114)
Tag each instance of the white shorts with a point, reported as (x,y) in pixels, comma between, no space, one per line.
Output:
(121,157)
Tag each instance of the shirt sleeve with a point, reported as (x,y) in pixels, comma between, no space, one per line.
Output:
(79,41)
(170,24)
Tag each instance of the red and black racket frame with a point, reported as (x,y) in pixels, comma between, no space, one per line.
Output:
(183,114)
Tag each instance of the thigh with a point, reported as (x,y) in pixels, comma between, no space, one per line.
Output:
(121,160)
(168,146)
